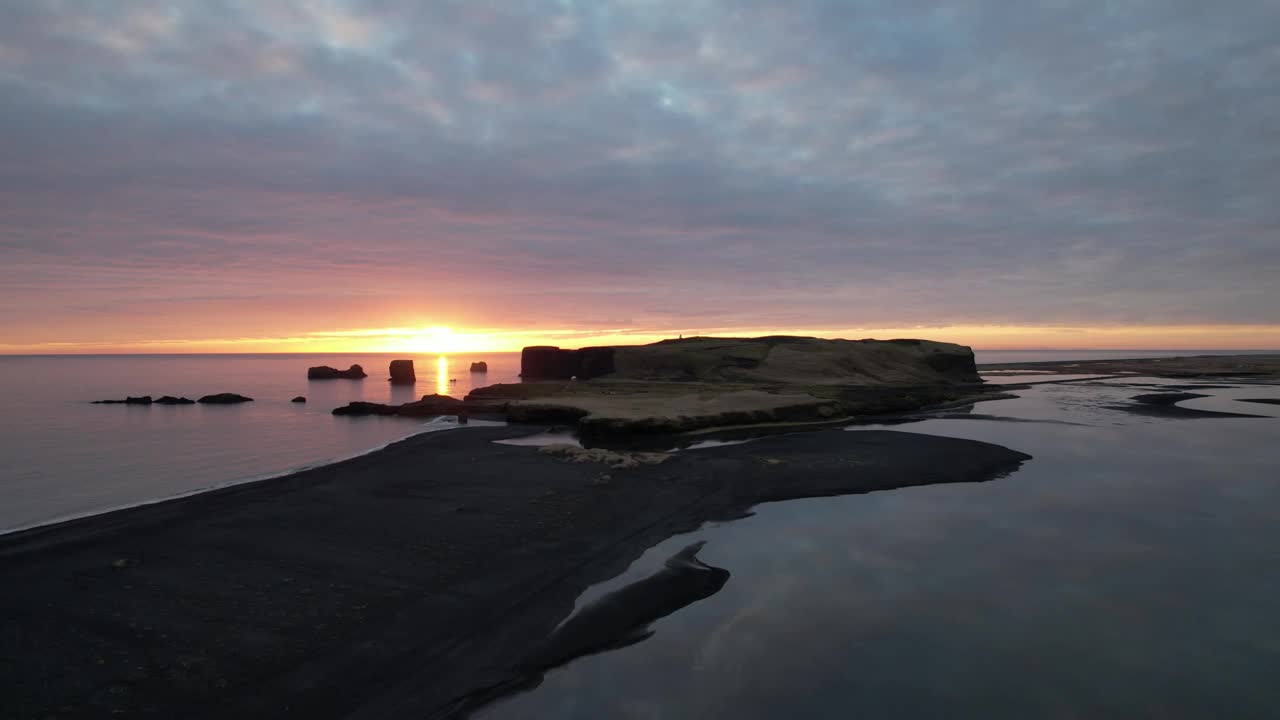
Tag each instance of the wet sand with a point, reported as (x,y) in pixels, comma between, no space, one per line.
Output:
(400,583)
(1165,405)
(1259,368)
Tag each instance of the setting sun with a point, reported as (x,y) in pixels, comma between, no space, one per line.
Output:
(434,340)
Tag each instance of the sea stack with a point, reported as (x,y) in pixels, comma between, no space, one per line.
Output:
(480,366)
(402,372)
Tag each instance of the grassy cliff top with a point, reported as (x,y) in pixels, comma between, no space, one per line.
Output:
(797,360)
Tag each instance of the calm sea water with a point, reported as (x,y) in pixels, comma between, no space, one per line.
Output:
(62,456)
(1128,571)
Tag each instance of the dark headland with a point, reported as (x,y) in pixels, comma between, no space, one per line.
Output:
(415,581)
(708,384)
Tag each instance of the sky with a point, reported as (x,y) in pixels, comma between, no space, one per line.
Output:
(382,175)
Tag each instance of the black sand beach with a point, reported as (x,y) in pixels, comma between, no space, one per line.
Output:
(401,583)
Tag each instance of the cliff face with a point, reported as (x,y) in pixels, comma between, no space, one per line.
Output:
(551,363)
(769,360)
(709,384)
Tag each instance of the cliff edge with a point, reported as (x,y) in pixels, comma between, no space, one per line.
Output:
(770,360)
(703,384)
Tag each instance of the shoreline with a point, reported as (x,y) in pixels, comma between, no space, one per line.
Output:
(751,431)
(400,581)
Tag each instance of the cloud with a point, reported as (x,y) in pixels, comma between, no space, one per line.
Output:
(813,163)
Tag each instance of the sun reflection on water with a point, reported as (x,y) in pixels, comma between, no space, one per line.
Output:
(442,375)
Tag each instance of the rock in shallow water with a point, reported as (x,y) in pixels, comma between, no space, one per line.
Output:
(428,406)
(299,399)
(171,400)
(224,399)
(324,372)
(366,408)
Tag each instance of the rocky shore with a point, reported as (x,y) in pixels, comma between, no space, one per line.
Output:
(324,372)
(410,582)
(215,399)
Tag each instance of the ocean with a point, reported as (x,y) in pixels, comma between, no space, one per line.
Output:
(65,457)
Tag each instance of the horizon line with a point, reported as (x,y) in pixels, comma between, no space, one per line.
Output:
(515,352)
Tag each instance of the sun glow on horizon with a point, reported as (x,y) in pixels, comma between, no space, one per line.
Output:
(434,340)
(443,340)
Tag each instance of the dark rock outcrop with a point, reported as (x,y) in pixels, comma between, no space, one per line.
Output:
(479,367)
(544,413)
(171,400)
(142,400)
(366,408)
(545,362)
(594,362)
(428,406)
(431,405)
(955,367)
(551,363)
(324,372)
(224,399)
(299,399)
(402,372)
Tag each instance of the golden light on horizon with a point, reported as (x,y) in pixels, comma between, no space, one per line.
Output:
(432,339)
(440,340)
